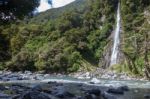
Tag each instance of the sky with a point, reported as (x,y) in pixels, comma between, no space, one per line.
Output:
(60,3)
(56,3)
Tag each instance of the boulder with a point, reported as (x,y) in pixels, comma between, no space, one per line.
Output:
(115,91)
(124,88)
(37,88)
(2,88)
(94,81)
(147,96)
(79,97)
(15,96)
(90,96)
(46,75)
(64,94)
(96,92)
(42,88)
(35,95)
(108,96)
(28,72)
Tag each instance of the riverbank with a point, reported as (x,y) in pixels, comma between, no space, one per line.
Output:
(85,78)
(106,74)
(98,74)
(29,85)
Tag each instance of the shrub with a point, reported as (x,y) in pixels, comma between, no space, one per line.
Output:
(21,62)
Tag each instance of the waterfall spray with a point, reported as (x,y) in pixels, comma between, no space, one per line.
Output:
(116,39)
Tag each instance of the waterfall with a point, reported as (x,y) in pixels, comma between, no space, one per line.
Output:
(116,40)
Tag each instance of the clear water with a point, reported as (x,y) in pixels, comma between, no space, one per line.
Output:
(137,88)
(103,82)
(116,40)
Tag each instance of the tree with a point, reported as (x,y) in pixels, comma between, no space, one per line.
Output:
(12,9)
(145,30)
(3,47)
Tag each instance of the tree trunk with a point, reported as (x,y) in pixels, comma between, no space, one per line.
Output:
(146,60)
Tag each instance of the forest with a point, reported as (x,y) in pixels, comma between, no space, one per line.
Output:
(67,40)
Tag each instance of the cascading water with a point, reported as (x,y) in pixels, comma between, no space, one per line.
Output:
(115,49)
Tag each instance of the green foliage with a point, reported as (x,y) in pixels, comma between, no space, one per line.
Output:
(67,39)
(16,9)
(32,45)
(97,40)
(63,42)
(135,34)
(22,61)
(74,60)
(2,65)
(52,14)
(16,43)
(4,47)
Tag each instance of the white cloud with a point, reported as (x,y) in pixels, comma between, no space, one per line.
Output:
(60,3)
(43,6)
(56,3)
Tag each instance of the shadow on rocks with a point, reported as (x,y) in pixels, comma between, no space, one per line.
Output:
(35,95)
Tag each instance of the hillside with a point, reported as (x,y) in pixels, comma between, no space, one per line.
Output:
(136,36)
(56,12)
(77,36)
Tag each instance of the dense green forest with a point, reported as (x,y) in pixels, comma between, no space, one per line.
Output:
(136,36)
(74,37)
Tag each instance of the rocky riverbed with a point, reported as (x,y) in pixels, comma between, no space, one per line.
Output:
(28,75)
(105,74)
(28,85)
(55,90)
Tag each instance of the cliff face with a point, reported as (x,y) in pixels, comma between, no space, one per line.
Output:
(135,34)
(134,49)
